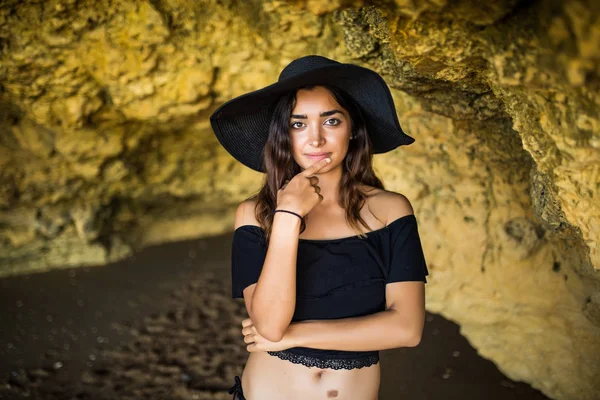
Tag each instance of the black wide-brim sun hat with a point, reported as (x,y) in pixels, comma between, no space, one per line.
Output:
(242,124)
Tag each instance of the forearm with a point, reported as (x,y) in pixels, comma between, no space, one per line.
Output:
(378,331)
(274,298)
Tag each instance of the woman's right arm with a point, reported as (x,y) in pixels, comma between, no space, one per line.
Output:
(271,301)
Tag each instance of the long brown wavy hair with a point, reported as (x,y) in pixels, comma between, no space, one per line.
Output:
(280,165)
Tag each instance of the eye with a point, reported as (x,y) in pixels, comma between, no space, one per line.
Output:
(294,126)
(335,120)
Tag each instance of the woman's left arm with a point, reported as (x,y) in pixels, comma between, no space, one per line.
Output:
(400,325)
(379,331)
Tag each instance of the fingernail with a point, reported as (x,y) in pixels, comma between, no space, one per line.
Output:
(328,160)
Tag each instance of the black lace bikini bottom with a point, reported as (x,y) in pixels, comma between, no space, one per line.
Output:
(236,389)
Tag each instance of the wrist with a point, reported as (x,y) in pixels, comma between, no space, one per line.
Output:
(295,214)
(288,208)
(283,222)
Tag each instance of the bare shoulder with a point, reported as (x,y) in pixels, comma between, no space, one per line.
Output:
(398,206)
(244,214)
(386,205)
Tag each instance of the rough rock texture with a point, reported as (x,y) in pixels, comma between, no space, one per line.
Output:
(105,145)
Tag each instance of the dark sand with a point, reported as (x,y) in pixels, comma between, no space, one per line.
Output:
(162,325)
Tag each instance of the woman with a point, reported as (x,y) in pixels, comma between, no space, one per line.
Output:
(323,294)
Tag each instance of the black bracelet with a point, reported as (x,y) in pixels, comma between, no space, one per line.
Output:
(291,212)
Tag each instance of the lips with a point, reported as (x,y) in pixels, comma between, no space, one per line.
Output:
(317,156)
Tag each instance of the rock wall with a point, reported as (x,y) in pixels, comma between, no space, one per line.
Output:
(105,145)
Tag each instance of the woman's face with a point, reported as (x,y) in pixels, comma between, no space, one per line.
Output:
(319,125)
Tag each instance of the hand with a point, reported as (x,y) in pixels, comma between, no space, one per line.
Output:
(258,343)
(302,193)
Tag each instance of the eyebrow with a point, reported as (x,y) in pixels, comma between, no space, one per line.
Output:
(323,114)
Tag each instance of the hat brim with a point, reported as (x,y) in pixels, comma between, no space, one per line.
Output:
(242,124)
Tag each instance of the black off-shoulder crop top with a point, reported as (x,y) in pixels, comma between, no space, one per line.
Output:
(336,278)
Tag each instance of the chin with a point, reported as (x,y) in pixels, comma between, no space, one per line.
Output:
(309,163)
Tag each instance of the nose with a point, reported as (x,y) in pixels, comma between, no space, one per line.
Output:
(316,137)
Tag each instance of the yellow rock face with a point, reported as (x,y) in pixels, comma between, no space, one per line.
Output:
(106,146)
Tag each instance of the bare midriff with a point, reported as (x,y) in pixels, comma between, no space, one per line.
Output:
(268,377)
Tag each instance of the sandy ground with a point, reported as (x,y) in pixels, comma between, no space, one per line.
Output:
(162,325)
